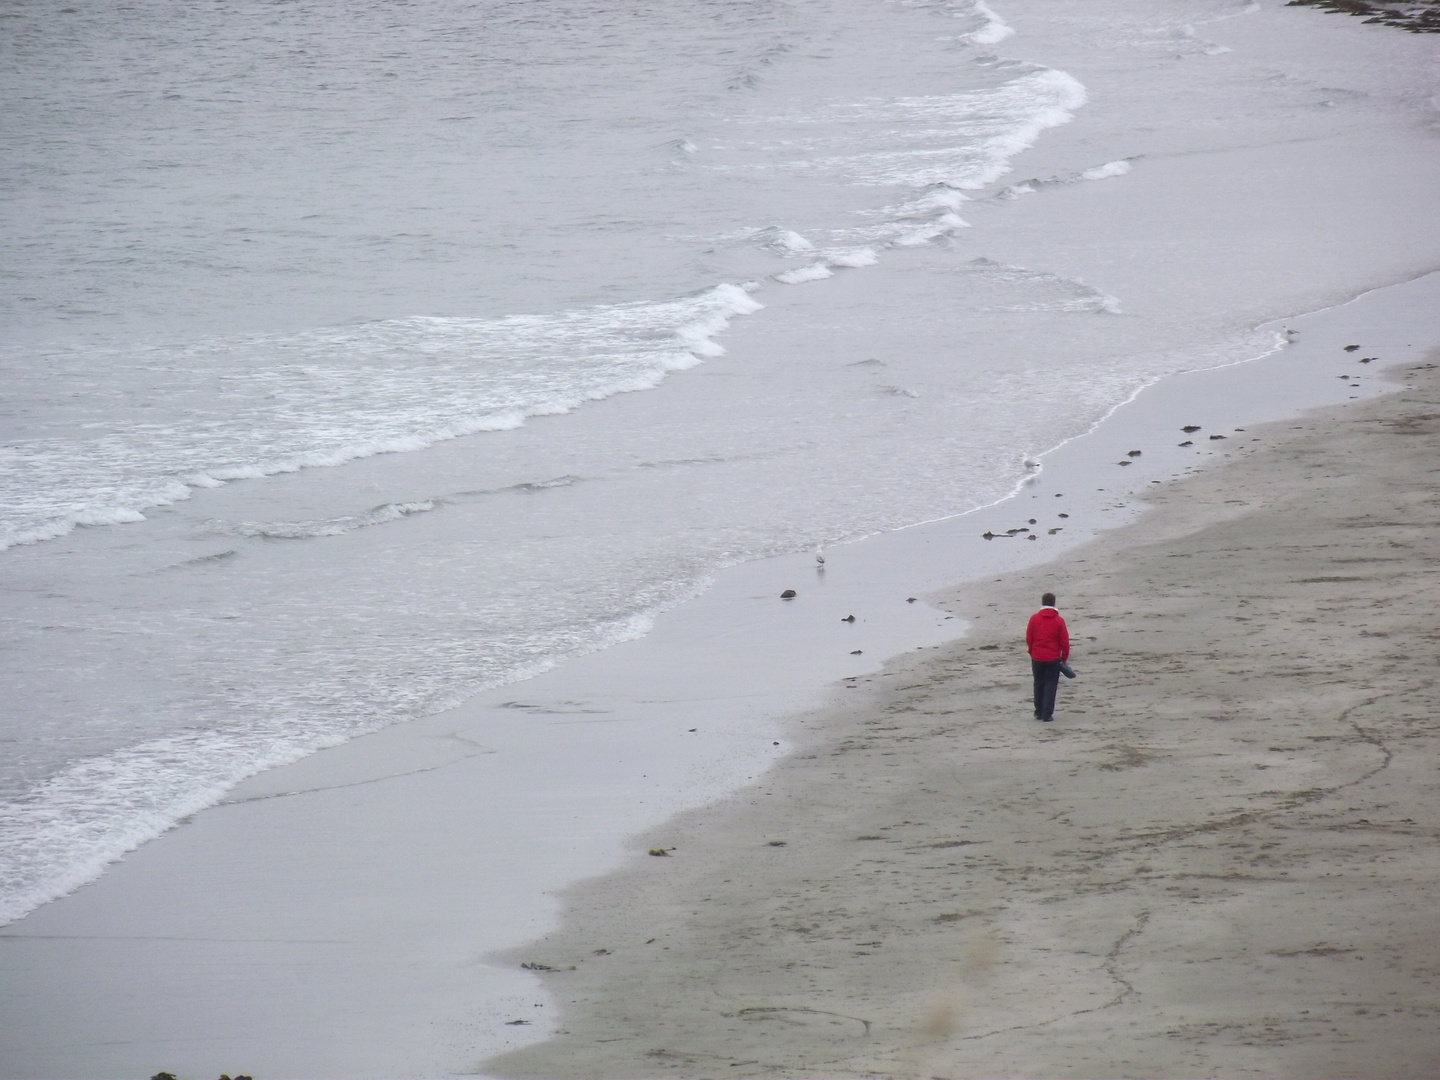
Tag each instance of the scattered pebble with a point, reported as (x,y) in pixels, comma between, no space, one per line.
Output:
(1187,442)
(848,618)
(1352,348)
(1188,428)
(788,594)
(853,652)
(1134,453)
(653,851)
(1214,437)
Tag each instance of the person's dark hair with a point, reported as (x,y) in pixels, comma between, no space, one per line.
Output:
(1048,600)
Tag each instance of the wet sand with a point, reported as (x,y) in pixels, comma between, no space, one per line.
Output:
(1220,859)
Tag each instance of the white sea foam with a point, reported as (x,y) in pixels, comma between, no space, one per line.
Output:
(116,515)
(963,141)
(1102,172)
(940,197)
(328,397)
(801,274)
(946,143)
(932,230)
(790,243)
(854,258)
(995,29)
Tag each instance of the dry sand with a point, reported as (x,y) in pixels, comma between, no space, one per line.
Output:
(1220,859)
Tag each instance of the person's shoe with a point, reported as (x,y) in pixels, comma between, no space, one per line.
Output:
(1038,716)
(1046,719)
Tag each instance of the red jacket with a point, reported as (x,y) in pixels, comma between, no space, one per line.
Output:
(1047,636)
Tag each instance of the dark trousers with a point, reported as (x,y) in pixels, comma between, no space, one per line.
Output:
(1047,681)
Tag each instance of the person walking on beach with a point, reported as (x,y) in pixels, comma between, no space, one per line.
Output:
(1049,642)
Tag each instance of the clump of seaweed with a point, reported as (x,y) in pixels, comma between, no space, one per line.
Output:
(1418,18)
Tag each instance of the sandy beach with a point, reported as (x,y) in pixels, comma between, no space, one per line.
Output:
(1219,860)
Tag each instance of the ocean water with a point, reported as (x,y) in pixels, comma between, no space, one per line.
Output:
(355,362)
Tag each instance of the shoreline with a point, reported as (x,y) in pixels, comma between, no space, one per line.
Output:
(339,894)
(1216,861)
